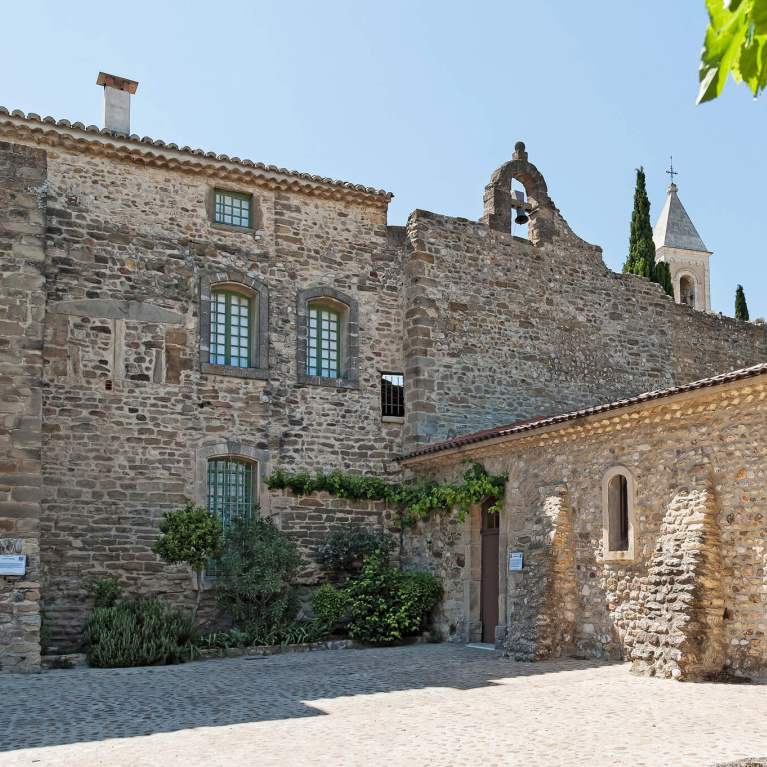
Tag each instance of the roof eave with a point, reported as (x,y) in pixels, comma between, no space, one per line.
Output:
(47,129)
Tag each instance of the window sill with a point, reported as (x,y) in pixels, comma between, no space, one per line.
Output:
(232,228)
(330,383)
(618,556)
(230,370)
(392,419)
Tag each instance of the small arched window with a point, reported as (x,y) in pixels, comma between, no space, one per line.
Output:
(618,514)
(234,337)
(323,338)
(232,487)
(687,290)
(328,339)
(231,328)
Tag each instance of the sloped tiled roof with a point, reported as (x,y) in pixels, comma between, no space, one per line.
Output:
(538,423)
(31,119)
(674,228)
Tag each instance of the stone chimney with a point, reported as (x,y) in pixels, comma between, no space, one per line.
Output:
(117,93)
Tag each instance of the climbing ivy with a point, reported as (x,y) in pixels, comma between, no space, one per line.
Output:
(415,499)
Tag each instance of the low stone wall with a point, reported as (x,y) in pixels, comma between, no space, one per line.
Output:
(311,519)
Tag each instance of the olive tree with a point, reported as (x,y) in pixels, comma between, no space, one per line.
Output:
(191,536)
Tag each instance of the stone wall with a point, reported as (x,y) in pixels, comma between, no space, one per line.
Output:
(311,519)
(127,410)
(22,305)
(679,615)
(500,329)
(488,328)
(691,600)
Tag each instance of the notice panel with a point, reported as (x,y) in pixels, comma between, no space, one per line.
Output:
(13,564)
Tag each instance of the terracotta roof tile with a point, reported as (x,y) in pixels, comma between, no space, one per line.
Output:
(32,117)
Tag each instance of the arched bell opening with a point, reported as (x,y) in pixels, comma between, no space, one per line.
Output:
(506,209)
(688,290)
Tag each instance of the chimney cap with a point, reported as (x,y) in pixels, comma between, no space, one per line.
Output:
(118,83)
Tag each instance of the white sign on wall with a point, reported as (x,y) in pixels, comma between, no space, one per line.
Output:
(13,564)
(515,560)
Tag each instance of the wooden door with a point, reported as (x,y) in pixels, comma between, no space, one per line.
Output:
(489,584)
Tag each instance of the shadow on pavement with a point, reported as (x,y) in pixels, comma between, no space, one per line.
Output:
(84,705)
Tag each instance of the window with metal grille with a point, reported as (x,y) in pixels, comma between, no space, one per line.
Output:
(232,486)
(230,329)
(323,337)
(393,395)
(232,208)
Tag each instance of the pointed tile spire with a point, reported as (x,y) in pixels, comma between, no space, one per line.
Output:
(674,228)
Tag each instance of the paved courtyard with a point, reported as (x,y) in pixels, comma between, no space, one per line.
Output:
(441,705)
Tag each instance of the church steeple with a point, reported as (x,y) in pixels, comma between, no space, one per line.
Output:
(677,242)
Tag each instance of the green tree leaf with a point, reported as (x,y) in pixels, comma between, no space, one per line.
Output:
(735,43)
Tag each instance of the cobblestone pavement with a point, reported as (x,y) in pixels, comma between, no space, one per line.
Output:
(441,705)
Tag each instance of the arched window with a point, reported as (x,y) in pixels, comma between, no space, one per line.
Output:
(323,337)
(231,328)
(687,290)
(234,337)
(618,514)
(618,511)
(232,487)
(328,342)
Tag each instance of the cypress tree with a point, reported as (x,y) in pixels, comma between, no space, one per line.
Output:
(741,308)
(641,258)
(662,276)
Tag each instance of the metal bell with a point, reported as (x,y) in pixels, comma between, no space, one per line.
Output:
(521,217)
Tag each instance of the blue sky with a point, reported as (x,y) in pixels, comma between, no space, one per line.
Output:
(426,99)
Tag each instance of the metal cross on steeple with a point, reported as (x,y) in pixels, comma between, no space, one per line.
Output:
(672,172)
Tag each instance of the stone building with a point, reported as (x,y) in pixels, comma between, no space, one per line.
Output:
(177,323)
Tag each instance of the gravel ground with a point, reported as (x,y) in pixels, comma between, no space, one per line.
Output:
(440,705)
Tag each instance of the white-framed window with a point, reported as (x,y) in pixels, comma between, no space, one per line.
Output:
(618,518)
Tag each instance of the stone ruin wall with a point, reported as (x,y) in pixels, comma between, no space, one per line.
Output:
(498,329)
(22,306)
(115,461)
(694,597)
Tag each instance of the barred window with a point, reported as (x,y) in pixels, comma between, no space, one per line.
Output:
(232,208)
(232,487)
(323,353)
(230,328)
(393,395)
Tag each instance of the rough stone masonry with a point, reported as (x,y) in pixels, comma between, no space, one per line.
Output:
(112,407)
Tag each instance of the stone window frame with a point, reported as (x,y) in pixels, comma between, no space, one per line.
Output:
(629,553)
(256,219)
(259,336)
(348,308)
(230,449)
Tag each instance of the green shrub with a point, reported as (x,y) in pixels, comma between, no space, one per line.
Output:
(138,632)
(190,536)
(348,547)
(329,604)
(106,591)
(386,604)
(254,574)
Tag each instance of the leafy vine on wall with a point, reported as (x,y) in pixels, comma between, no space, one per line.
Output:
(415,499)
